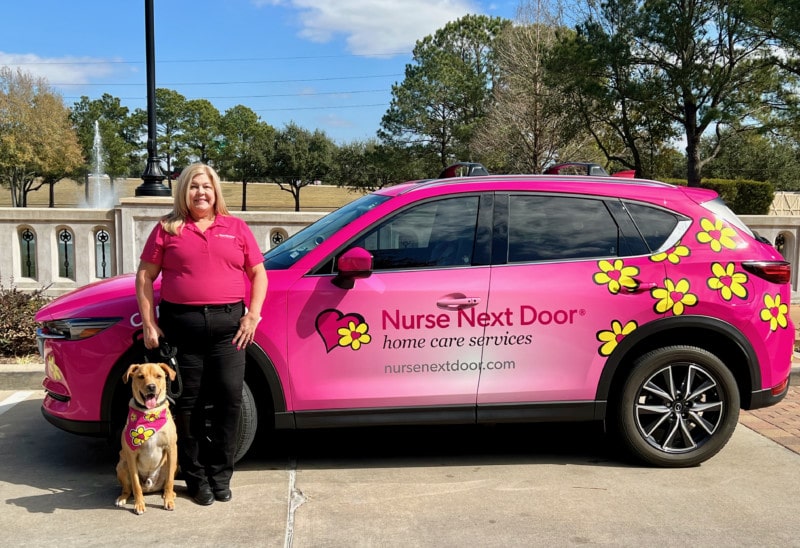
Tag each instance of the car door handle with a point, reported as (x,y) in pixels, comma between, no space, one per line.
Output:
(457,303)
(641,287)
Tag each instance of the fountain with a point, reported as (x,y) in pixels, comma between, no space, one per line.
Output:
(95,196)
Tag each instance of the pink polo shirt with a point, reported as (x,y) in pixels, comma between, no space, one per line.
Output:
(208,267)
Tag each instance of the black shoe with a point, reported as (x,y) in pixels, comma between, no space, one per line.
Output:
(203,495)
(223,495)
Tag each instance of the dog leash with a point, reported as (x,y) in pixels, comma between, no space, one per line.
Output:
(167,353)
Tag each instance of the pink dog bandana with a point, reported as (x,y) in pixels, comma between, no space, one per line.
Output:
(143,424)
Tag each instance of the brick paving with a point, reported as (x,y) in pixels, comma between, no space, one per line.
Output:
(780,423)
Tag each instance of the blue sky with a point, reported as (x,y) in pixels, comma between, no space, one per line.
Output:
(323,64)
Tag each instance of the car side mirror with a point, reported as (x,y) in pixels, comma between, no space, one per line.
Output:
(353,264)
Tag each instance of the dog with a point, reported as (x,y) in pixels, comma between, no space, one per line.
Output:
(148,459)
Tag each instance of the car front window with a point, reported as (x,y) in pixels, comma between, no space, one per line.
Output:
(439,233)
(290,251)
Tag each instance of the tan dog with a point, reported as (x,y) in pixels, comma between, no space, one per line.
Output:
(149,455)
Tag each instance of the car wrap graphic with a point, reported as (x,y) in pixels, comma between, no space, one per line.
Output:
(339,330)
(674,296)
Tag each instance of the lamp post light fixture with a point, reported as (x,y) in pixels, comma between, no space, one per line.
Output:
(152,177)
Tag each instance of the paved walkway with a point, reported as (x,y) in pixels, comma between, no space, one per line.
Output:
(780,423)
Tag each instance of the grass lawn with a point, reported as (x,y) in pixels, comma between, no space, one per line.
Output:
(260,196)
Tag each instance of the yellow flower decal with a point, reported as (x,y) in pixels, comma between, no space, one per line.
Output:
(354,335)
(53,370)
(612,338)
(152,417)
(727,281)
(673,296)
(673,254)
(716,234)
(616,275)
(775,312)
(140,435)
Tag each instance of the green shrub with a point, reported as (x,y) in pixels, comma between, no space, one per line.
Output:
(744,197)
(727,189)
(753,198)
(17,326)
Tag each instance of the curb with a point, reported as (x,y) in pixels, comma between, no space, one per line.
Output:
(30,376)
(21,376)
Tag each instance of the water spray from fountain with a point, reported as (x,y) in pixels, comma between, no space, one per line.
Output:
(96,197)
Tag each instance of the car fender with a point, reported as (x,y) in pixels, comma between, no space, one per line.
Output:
(695,330)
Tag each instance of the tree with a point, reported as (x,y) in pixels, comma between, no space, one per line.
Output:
(756,157)
(36,136)
(714,71)
(200,128)
(246,147)
(445,93)
(300,158)
(597,70)
(370,165)
(170,113)
(530,123)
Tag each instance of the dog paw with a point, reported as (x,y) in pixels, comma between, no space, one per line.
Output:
(139,507)
(169,505)
(120,502)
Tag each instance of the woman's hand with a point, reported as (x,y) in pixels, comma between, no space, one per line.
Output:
(247,329)
(151,336)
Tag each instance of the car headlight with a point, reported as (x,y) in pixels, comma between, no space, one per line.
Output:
(74,329)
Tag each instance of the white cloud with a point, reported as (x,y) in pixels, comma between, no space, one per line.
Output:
(58,70)
(375,27)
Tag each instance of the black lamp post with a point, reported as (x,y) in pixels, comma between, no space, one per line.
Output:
(153,176)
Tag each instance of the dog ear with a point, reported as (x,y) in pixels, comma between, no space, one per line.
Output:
(168,370)
(130,372)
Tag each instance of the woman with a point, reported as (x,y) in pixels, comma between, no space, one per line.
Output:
(203,255)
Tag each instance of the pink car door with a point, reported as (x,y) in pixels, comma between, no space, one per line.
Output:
(407,335)
(572,287)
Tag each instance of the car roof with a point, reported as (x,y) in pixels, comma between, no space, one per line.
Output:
(551,181)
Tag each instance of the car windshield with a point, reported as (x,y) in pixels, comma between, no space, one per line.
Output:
(290,251)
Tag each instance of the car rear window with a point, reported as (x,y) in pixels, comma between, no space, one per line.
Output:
(656,225)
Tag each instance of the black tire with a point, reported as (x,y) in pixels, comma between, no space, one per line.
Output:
(678,407)
(248,423)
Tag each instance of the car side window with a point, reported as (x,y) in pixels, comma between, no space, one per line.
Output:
(548,228)
(439,233)
(656,225)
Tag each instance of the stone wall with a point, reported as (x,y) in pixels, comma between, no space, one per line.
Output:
(73,247)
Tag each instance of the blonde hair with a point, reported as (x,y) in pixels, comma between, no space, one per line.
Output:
(174,221)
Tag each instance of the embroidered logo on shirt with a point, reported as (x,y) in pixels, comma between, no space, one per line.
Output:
(229,236)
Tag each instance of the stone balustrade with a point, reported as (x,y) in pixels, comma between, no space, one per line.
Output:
(60,249)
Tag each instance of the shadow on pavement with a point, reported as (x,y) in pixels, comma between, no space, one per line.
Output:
(451,445)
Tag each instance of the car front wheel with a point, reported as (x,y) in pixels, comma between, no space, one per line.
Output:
(678,407)
(248,423)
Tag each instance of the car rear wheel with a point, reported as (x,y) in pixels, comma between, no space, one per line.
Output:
(678,407)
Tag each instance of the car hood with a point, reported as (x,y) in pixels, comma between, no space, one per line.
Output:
(101,298)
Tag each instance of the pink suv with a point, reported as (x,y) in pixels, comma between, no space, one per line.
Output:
(484,300)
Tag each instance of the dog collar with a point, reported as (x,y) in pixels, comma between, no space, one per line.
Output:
(142,425)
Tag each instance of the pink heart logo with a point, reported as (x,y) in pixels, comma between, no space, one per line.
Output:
(330,321)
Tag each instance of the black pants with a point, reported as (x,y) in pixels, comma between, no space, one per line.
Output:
(212,371)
